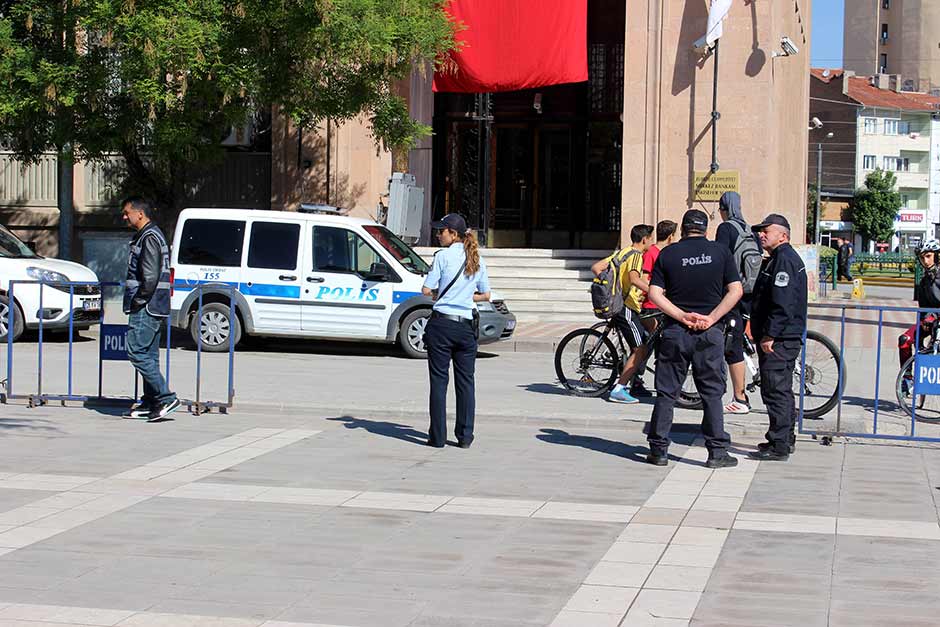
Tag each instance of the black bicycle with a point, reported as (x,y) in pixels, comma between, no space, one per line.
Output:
(822,381)
(589,361)
(925,407)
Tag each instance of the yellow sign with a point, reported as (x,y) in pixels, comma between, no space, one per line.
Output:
(709,186)
(858,290)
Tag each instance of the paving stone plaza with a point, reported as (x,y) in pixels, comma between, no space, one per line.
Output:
(291,518)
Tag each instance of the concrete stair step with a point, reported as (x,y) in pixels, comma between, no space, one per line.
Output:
(545,253)
(560,274)
(546,306)
(539,262)
(514,295)
(537,283)
(575,320)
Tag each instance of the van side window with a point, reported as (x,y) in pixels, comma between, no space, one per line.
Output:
(273,245)
(212,243)
(341,250)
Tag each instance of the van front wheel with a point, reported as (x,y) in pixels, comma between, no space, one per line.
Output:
(216,328)
(5,320)
(411,333)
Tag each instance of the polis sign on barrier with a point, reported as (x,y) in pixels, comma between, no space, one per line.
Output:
(114,342)
(709,186)
(927,374)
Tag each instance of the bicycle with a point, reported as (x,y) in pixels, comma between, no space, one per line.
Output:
(822,383)
(927,407)
(595,361)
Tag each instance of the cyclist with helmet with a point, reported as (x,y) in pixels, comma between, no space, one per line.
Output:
(928,297)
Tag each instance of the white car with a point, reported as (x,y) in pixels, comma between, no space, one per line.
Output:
(19,263)
(312,273)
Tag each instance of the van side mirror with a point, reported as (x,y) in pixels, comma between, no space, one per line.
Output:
(378,272)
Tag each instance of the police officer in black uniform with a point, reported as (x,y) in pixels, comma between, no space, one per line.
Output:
(695,283)
(778,322)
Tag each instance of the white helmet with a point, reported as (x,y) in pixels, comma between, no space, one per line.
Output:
(930,246)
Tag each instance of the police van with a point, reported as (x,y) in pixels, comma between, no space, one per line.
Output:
(313,273)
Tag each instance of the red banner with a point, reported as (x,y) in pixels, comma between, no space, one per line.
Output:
(517,44)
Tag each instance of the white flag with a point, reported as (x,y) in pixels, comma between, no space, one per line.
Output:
(717,13)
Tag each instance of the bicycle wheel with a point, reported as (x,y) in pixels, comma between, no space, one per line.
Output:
(587,363)
(822,383)
(928,407)
(688,397)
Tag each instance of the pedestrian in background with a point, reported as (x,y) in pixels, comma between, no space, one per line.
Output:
(846,257)
(696,284)
(665,235)
(779,321)
(735,233)
(147,305)
(457,281)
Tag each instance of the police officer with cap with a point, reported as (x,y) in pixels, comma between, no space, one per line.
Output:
(778,321)
(695,283)
(457,281)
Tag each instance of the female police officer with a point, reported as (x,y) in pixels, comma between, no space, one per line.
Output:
(458,276)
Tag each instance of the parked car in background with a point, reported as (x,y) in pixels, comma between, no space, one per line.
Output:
(19,263)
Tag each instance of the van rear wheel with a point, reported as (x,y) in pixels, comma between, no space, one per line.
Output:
(411,333)
(216,328)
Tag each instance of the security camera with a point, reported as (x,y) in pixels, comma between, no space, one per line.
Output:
(788,46)
(537,103)
(815,123)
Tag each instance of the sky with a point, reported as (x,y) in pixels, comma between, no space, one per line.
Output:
(826,42)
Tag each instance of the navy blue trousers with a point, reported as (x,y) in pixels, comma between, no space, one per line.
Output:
(450,341)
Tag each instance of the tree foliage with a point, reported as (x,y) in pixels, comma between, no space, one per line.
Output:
(161,82)
(876,206)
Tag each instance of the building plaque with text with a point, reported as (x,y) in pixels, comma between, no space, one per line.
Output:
(709,186)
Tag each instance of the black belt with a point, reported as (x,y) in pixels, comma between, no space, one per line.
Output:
(437,314)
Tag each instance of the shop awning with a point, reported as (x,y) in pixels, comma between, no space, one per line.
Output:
(517,44)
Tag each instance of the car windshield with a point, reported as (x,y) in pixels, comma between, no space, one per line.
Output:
(401,251)
(11,246)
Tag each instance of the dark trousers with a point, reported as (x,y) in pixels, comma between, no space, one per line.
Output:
(143,351)
(845,271)
(678,347)
(450,341)
(776,390)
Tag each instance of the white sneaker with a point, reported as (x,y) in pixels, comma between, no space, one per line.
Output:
(738,407)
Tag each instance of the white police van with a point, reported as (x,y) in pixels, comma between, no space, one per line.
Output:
(313,273)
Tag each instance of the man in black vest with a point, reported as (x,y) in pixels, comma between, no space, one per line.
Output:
(695,284)
(778,322)
(147,304)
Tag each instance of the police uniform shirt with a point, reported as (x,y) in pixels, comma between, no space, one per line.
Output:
(458,300)
(694,273)
(780,296)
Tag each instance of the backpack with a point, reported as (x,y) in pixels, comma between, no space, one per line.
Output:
(606,291)
(747,256)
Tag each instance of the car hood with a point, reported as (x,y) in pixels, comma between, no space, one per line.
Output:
(16,268)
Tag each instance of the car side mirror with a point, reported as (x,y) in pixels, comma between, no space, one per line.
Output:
(378,272)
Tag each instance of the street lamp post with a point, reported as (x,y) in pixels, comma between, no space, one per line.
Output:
(818,191)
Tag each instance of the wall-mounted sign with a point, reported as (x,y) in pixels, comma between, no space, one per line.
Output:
(910,219)
(708,186)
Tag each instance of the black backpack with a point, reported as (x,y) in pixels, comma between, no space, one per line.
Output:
(747,255)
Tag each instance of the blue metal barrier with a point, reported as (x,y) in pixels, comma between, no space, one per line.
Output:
(838,431)
(196,406)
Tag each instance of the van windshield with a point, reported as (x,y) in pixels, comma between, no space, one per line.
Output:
(11,246)
(401,251)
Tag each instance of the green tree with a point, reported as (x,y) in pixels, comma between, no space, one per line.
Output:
(876,206)
(161,82)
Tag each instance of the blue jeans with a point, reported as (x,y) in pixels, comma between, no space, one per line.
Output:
(143,350)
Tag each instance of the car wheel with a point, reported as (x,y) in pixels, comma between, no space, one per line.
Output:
(5,320)
(216,328)
(411,333)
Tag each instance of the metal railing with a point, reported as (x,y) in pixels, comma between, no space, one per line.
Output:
(196,405)
(876,401)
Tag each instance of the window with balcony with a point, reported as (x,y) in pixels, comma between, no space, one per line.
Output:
(904,128)
(870,162)
(883,66)
(884,33)
(885,4)
(891,127)
(871,126)
(897,164)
